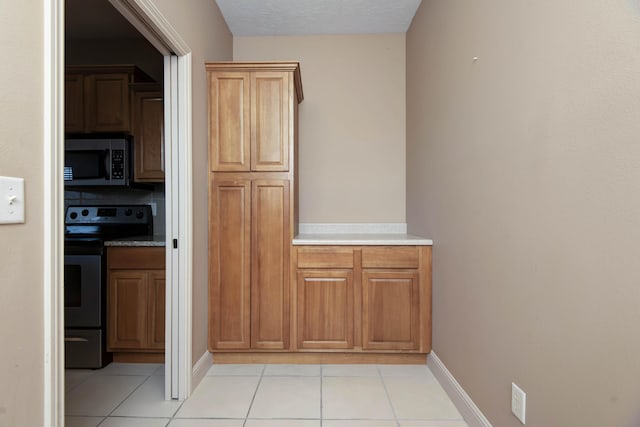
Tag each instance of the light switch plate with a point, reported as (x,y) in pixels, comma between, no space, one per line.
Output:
(11,200)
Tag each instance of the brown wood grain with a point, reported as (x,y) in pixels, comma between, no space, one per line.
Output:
(147,124)
(229,121)
(270,121)
(107,102)
(74,102)
(325,309)
(271,242)
(156,310)
(145,258)
(325,257)
(391,307)
(230,282)
(390,257)
(127,310)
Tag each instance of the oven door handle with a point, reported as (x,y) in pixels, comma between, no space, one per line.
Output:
(75,339)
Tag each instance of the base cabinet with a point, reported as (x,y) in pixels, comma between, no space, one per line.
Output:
(325,309)
(363,298)
(136,300)
(390,310)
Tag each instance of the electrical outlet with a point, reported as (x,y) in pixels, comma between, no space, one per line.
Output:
(518,402)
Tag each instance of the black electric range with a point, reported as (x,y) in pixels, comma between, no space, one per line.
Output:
(85,289)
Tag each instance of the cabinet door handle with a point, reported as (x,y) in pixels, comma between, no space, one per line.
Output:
(75,339)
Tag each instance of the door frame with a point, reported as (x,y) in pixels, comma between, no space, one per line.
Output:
(145,16)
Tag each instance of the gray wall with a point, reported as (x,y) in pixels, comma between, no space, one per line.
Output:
(524,168)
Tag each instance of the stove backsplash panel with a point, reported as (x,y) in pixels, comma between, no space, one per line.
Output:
(123,196)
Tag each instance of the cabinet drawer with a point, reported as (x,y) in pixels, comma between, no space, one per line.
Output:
(390,257)
(325,257)
(136,258)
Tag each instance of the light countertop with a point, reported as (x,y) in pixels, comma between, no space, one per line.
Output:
(382,239)
(138,241)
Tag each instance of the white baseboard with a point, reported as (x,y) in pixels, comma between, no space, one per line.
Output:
(470,412)
(200,369)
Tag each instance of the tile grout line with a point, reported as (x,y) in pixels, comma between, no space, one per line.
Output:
(386,392)
(79,384)
(321,381)
(264,367)
(128,396)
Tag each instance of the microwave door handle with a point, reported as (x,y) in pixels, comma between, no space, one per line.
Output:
(107,164)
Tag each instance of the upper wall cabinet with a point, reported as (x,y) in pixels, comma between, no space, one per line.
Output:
(251,111)
(97,98)
(147,124)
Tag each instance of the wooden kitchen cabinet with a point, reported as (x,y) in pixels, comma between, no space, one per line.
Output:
(250,232)
(251,115)
(97,98)
(253,111)
(390,310)
(74,102)
(128,299)
(230,265)
(378,297)
(325,309)
(136,303)
(147,112)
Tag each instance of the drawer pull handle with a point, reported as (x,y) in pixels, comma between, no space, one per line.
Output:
(75,339)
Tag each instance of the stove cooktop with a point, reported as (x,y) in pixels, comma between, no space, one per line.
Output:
(107,221)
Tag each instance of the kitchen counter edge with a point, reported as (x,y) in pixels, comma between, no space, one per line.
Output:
(155,241)
(382,239)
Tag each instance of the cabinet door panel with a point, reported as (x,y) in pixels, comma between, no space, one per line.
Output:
(325,309)
(229,121)
(156,311)
(127,309)
(270,265)
(107,102)
(230,265)
(73,102)
(390,319)
(148,136)
(270,121)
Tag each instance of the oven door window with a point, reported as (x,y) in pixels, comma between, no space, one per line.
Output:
(83,290)
(72,286)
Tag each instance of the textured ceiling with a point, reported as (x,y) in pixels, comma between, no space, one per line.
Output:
(290,17)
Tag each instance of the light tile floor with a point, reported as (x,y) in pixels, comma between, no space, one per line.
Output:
(131,395)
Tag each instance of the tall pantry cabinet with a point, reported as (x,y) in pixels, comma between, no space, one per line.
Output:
(253,113)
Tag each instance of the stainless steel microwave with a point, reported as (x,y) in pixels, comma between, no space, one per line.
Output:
(97,162)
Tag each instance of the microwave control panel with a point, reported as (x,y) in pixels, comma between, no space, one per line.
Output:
(117,164)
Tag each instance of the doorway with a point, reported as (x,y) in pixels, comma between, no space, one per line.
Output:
(177,71)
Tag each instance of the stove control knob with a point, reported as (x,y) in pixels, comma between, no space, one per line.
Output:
(73,215)
(128,212)
(139,215)
(85,212)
